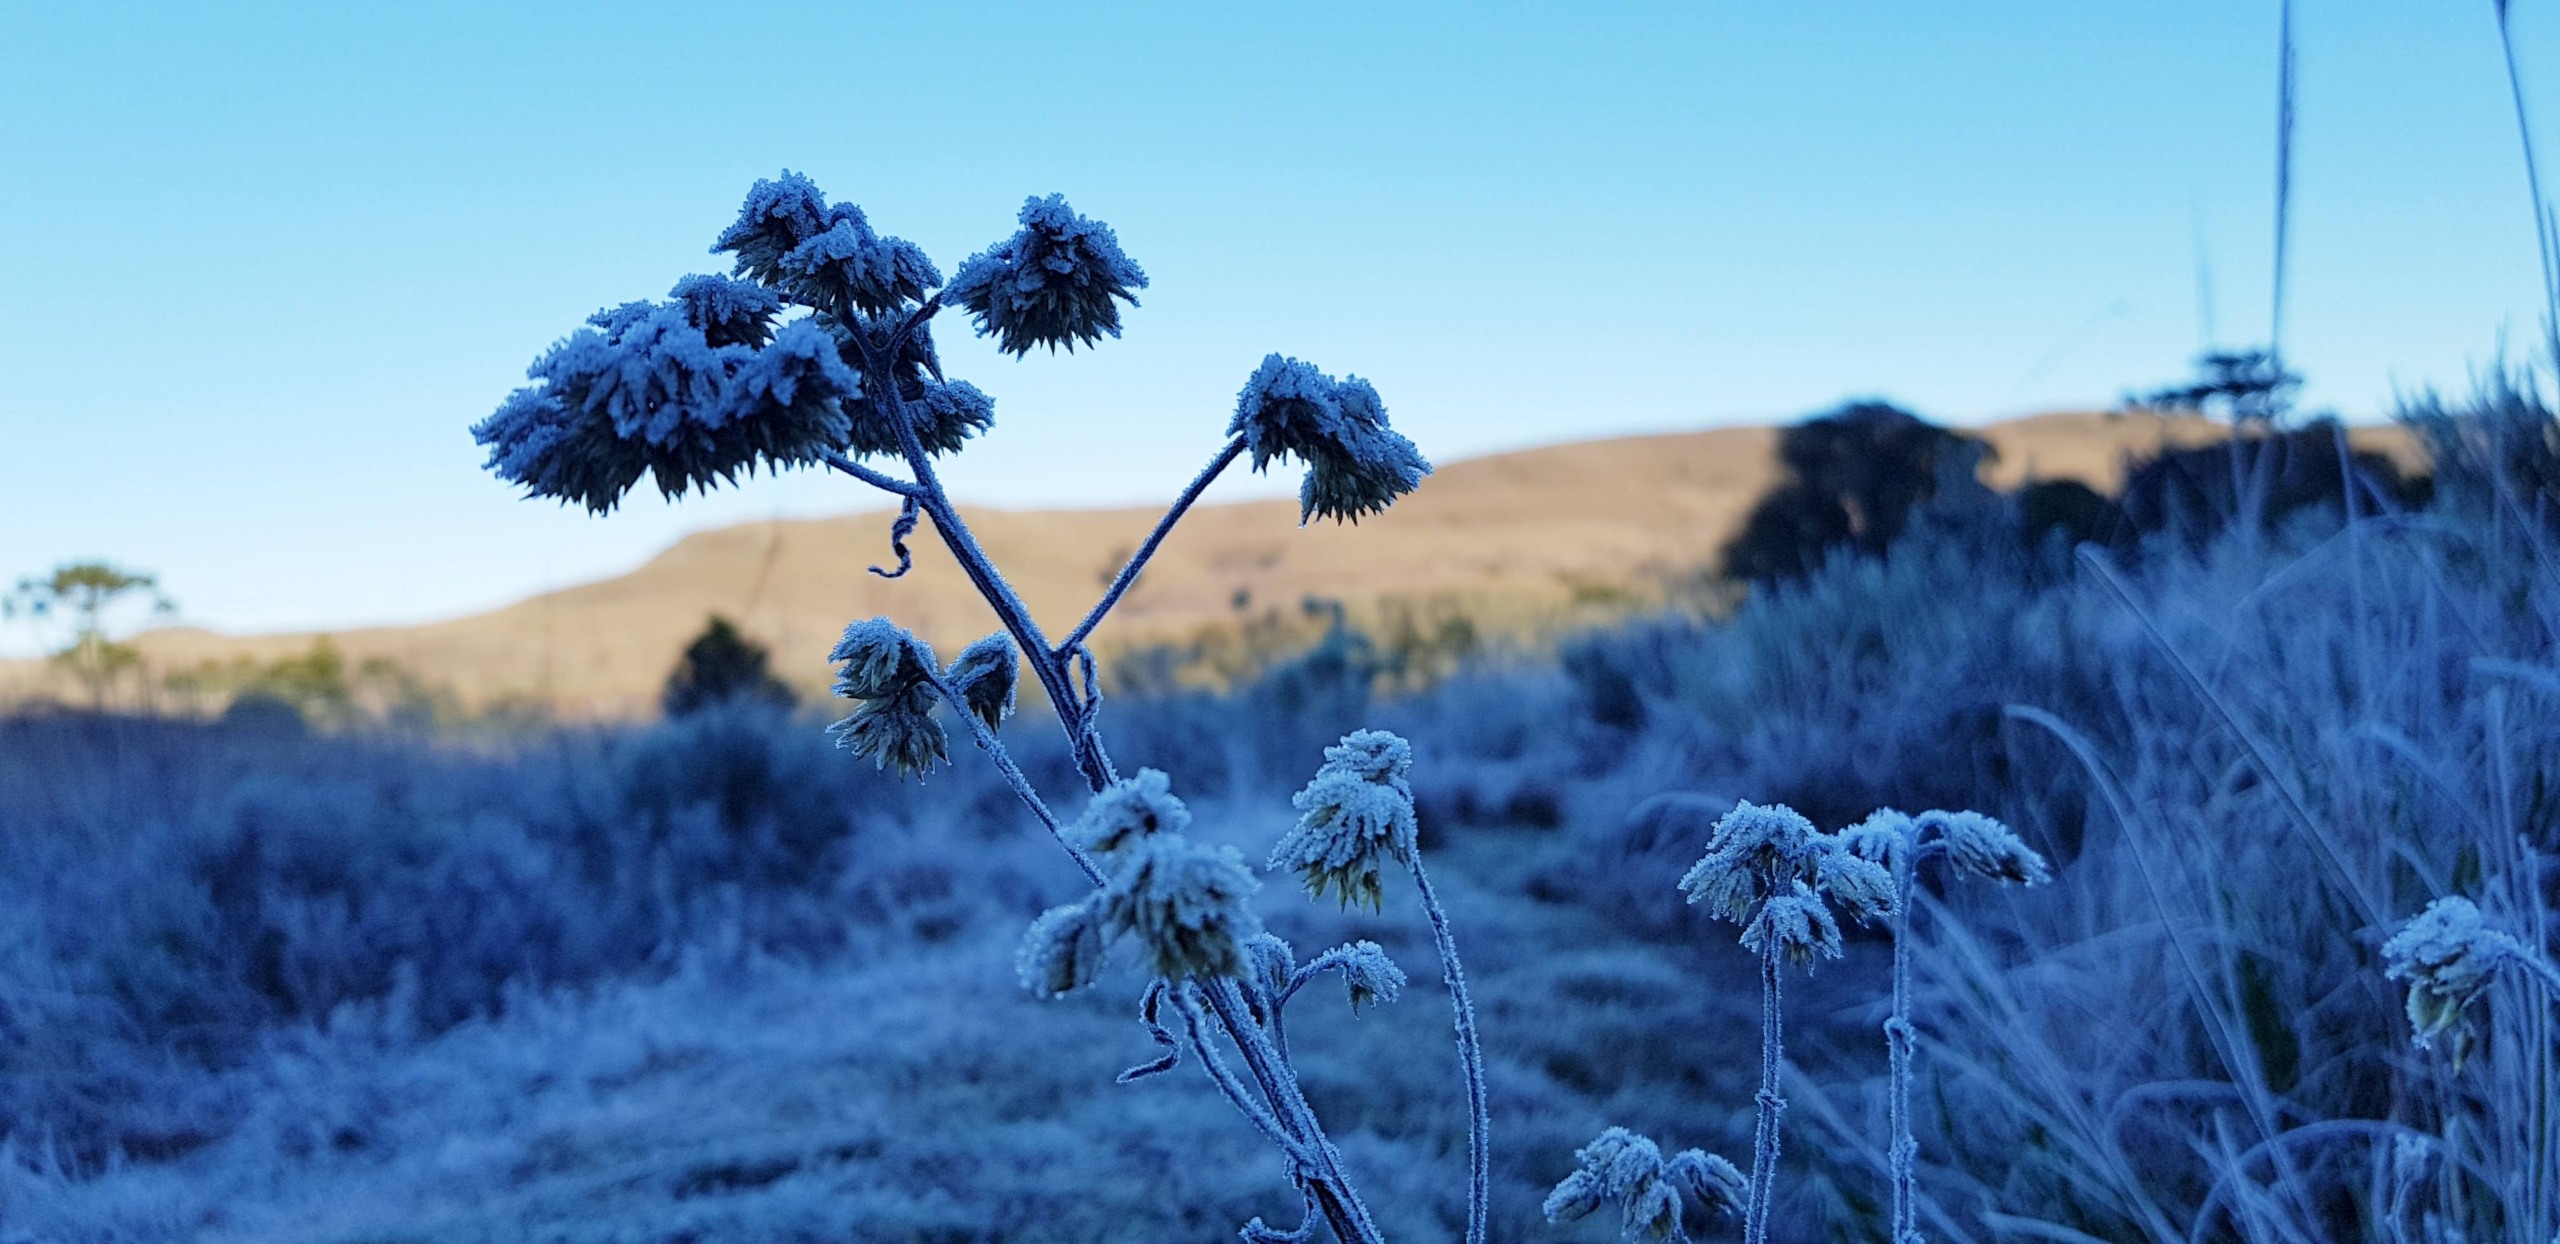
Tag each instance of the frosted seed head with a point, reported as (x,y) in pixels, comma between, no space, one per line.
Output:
(1370,975)
(777,217)
(2447,954)
(896,731)
(1726,888)
(1273,963)
(1709,1179)
(880,658)
(1062,951)
(1763,838)
(1373,755)
(1882,837)
(1130,811)
(1347,829)
(1186,904)
(1796,926)
(1861,887)
(1652,1207)
(983,676)
(1574,1199)
(1356,464)
(1986,848)
(1056,282)
(1621,1158)
(727,310)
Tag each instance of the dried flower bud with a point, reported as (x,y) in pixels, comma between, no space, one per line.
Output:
(1370,975)
(1862,887)
(2447,954)
(880,659)
(1796,926)
(1709,1179)
(896,731)
(1130,811)
(1346,829)
(1273,963)
(1574,1199)
(1053,283)
(1185,903)
(1356,464)
(983,676)
(1882,837)
(1986,848)
(1062,951)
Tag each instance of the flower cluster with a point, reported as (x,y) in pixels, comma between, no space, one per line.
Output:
(1652,1194)
(823,256)
(890,671)
(1056,282)
(1986,848)
(1770,870)
(2447,954)
(1356,464)
(1355,814)
(1183,903)
(679,391)
(983,676)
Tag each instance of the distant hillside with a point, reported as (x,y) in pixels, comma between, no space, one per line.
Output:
(1520,536)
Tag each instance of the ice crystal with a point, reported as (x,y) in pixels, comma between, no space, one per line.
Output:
(1058,281)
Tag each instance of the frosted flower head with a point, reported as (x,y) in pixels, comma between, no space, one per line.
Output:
(1861,887)
(879,658)
(1752,852)
(1350,824)
(1273,963)
(983,676)
(1795,926)
(727,310)
(787,236)
(1374,755)
(1058,281)
(1062,951)
(1129,812)
(1709,1179)
(1986,848)
(2447,954)
(644,390)
(777,217)
(1370,975)
(1185,904)
(1356,464)
(1623,1166)
(896,732)
(1883,837)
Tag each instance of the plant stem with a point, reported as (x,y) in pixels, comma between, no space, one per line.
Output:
(1764,1138)
(1470,1057)
(1128,575)
(1897,1041)
(1341,1204)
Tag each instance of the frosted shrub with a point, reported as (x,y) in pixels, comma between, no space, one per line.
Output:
(818,350)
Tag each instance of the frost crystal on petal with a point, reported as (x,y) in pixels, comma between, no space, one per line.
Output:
(1058,281)
(1356,464)
(1062,951)
(1185,904)
(1986,848)
(1130,811)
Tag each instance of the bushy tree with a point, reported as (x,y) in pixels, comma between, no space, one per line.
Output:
(87,591)
(721,665)
(1853,477)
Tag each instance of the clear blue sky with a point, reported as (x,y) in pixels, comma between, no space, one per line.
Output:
(260,266)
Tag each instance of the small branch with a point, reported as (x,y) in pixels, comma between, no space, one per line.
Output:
(1470,1057)
(1263,1119)
(1128,575)
(1013,775)
(885,483)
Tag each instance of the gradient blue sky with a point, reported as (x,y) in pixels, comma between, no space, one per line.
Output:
(264,264)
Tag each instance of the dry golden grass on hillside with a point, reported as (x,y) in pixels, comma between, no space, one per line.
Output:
(1523,541)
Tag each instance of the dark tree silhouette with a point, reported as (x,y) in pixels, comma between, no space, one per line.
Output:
(718,666)
(1854,476)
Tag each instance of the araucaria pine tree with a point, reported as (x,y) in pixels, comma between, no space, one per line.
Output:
(817,350)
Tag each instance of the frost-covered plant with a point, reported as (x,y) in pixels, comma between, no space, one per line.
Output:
(817,350)
(2447,955)
(1769,870)
(1653,1194)
(1977,846)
